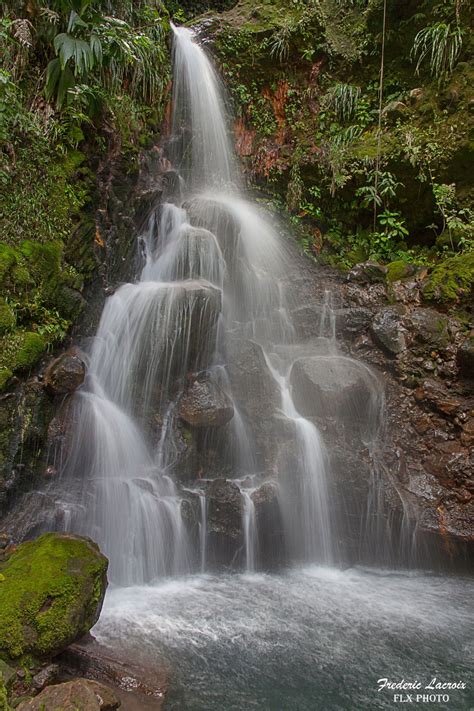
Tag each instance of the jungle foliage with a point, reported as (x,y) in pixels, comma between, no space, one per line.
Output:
(363,129)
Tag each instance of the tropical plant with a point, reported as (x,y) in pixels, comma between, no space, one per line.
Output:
(343,99)
(279,43)
(459,222)
(441,45)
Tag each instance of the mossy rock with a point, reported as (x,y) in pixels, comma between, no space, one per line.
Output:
(451,280)
(29,348)
(19,351)
(69,302)
(52,593)
(399,270)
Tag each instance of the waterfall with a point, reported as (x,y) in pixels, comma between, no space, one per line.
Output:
(214,279)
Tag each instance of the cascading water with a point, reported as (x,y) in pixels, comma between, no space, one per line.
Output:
(212,313)
(214,270)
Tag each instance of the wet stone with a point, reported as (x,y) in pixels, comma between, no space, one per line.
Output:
(66,373)
(205,404)
(388,331)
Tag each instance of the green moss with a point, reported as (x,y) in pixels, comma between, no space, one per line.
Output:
(8,259)
(5,375)
(44,259)
(451,280)
(51,594)
(30,348)
(7,318)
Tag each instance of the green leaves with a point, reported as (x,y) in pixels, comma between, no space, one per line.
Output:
(441,45)
(344,98)
(69,47)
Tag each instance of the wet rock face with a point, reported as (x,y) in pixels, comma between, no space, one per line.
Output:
(24,419)
(329,387)
(352,321)
(438,397)
(51,593)
(388,331)
(250,378)
(225,507)
(430,327)
(81,694)
(224,521)
(271,539)
(65,373)
(205,404)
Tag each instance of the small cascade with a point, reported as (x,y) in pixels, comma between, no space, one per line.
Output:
(327,327)
(203,530)
(249,527)
(309,535)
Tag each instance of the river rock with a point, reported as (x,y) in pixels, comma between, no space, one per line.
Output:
(66,373)
(369,272)
(76,695)
(388,331)
(465,357)
(330,386)
(51,594)
(205,404)
(430,327)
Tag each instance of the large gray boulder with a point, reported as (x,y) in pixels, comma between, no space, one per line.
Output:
(332,386)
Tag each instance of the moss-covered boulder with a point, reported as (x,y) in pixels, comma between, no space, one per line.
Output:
(451,280)
(51,593)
